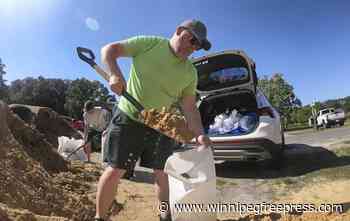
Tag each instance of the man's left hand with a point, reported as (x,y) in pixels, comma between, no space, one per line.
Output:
(204,141)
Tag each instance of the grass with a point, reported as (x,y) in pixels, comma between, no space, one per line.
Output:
(343,150)
(336,169)
(347,122)
(297,127)
(221,182)
(330,169)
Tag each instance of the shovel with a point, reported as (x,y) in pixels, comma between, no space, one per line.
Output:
(83,55)
(88,56)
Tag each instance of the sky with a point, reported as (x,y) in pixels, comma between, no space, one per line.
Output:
(307,41)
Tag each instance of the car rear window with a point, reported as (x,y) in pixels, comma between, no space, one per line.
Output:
(221,72)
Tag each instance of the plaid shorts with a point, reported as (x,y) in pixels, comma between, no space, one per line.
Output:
(128,140)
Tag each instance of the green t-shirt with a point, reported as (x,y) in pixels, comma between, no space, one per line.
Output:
(157,77)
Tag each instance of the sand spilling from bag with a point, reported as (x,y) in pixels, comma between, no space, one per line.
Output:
(170,123)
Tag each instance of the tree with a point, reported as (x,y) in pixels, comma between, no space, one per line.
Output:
(3,87)
(51,93)
(347,104)
(63,96)
(40,92)
(280,94)
(2,71)
(80,91)
(301,115)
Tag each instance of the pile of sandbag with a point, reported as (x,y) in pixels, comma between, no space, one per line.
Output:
(233,123)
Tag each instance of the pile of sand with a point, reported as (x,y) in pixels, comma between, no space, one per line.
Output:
(35,181)
(45,120)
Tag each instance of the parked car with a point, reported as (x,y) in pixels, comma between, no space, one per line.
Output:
(329,116)
(227,84)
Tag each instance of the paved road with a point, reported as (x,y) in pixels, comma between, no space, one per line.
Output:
(318,138)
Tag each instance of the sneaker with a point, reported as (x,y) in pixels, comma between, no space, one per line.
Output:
(98,219)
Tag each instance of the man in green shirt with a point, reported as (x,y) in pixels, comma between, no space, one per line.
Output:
(160,76)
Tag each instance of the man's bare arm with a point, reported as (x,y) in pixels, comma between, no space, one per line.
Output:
(192,115)
(194,120)
(109,55)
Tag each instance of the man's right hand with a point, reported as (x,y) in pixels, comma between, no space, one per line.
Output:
(117,84)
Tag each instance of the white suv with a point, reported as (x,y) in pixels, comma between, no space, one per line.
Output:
(227,83)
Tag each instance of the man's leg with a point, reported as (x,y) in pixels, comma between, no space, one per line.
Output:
(162,189)
(107,190)
(87,150)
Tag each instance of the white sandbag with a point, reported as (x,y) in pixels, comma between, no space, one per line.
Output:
(67,145)
(192,180)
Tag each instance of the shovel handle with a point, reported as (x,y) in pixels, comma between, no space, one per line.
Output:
(132,100)
(88,56)
(76,150)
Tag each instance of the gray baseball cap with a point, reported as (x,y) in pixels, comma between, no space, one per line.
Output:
(199,30)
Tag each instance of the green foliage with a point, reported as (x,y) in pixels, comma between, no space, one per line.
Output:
(80,91)
(280,94)
(343,103)
(64,96)
(300,115)
(3,87)
(346,105)
(277,90)
(2,71)
(40,92)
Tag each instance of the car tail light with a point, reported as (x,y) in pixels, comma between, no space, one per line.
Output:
(266,111)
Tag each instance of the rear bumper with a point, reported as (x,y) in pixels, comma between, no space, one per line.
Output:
(245,150)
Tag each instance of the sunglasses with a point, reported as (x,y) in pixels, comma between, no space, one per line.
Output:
(193,41)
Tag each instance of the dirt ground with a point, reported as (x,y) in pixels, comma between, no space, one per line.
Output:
(36,184)
(135,197)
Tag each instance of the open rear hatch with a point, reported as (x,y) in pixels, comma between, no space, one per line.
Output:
(227,88)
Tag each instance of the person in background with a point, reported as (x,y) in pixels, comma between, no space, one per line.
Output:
(96,120)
